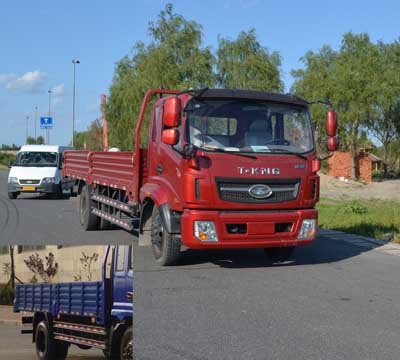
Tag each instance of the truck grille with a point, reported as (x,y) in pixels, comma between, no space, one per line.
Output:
(237,190)
(29,182)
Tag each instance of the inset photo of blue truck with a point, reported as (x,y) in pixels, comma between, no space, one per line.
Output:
(69,301)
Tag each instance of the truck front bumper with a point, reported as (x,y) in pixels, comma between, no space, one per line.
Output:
(248,229)
(41,188)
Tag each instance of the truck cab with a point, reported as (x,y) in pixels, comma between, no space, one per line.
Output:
(37,169)
(232,169)
(96,314)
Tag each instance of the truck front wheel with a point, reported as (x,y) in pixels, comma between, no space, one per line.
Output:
(166,247)
(88,220)
(279,254)
(12,195)
(126,349)
(47,348)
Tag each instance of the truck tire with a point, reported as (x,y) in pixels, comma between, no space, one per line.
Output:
(279,254)
(88,220)
(46,347)
(12,195)
(166,247)
(126,347)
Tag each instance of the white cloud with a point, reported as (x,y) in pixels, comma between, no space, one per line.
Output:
(57,93)
(6,78)
(58,90)
(31,81)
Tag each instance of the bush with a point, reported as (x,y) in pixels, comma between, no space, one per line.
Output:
(7,295)
(6,158)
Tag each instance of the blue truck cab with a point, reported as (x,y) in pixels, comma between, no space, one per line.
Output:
(95,314)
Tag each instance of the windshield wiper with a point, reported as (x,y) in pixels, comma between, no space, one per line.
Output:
(286,151)
(205,147)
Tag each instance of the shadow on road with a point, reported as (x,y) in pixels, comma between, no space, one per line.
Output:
(35,196)
(328,248)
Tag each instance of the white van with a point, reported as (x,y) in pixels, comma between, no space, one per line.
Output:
(37,169)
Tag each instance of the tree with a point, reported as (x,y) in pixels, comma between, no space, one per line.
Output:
(348,78)
(245,64)
(92,138)
(385,125)
(174,58)
(30,140)
(45,269)
(86,261)
(40,140)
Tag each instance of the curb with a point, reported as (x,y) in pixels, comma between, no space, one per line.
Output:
(9,322)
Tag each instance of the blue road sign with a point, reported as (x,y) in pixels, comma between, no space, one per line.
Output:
(46,122)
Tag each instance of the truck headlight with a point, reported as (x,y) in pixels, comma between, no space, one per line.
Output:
(308,229)
(205,231)
(13,180)
(49,180)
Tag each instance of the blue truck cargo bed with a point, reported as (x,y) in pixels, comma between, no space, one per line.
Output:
(74,298)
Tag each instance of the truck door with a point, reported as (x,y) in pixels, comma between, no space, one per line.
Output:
(123,282)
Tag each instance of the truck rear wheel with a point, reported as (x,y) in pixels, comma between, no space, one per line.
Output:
(279,254)
(46,347)
(126,349)
(166,247)
(88,220)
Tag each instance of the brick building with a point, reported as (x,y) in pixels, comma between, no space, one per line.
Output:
(340,164)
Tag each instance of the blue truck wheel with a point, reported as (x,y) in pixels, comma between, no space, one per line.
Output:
(126,350)
(47,348)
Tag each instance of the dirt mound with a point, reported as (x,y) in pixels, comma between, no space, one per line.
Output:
(334,188)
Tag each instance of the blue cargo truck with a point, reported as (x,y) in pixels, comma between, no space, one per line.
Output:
(95,314)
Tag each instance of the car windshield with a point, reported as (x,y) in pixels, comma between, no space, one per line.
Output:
(36,158)
(247,126)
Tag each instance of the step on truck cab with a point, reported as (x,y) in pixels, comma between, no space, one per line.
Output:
(222,169)
(37,169)
(96,314)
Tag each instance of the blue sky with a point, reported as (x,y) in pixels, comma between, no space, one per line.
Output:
(40,38)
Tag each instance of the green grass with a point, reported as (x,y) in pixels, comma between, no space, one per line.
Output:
(373,218)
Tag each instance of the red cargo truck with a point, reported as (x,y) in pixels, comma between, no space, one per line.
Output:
(221,169)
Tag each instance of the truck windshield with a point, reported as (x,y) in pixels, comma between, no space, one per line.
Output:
(36,159)
(247,126)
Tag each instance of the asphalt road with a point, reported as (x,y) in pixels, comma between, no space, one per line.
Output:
(37,219)
(14,346)
(339,299)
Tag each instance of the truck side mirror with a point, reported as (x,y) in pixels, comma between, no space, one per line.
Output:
(172,112)
(170,136)
(331,123)
(332,143)
(10,164)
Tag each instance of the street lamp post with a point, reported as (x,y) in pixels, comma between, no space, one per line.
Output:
(75,62)
(27,126)
(47,130)
(35,124)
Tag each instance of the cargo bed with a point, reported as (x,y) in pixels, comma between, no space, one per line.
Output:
(74,298)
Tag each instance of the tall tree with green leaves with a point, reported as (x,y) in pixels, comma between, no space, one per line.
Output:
(174,58)
(245,64)
(385,124)
(348,79)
